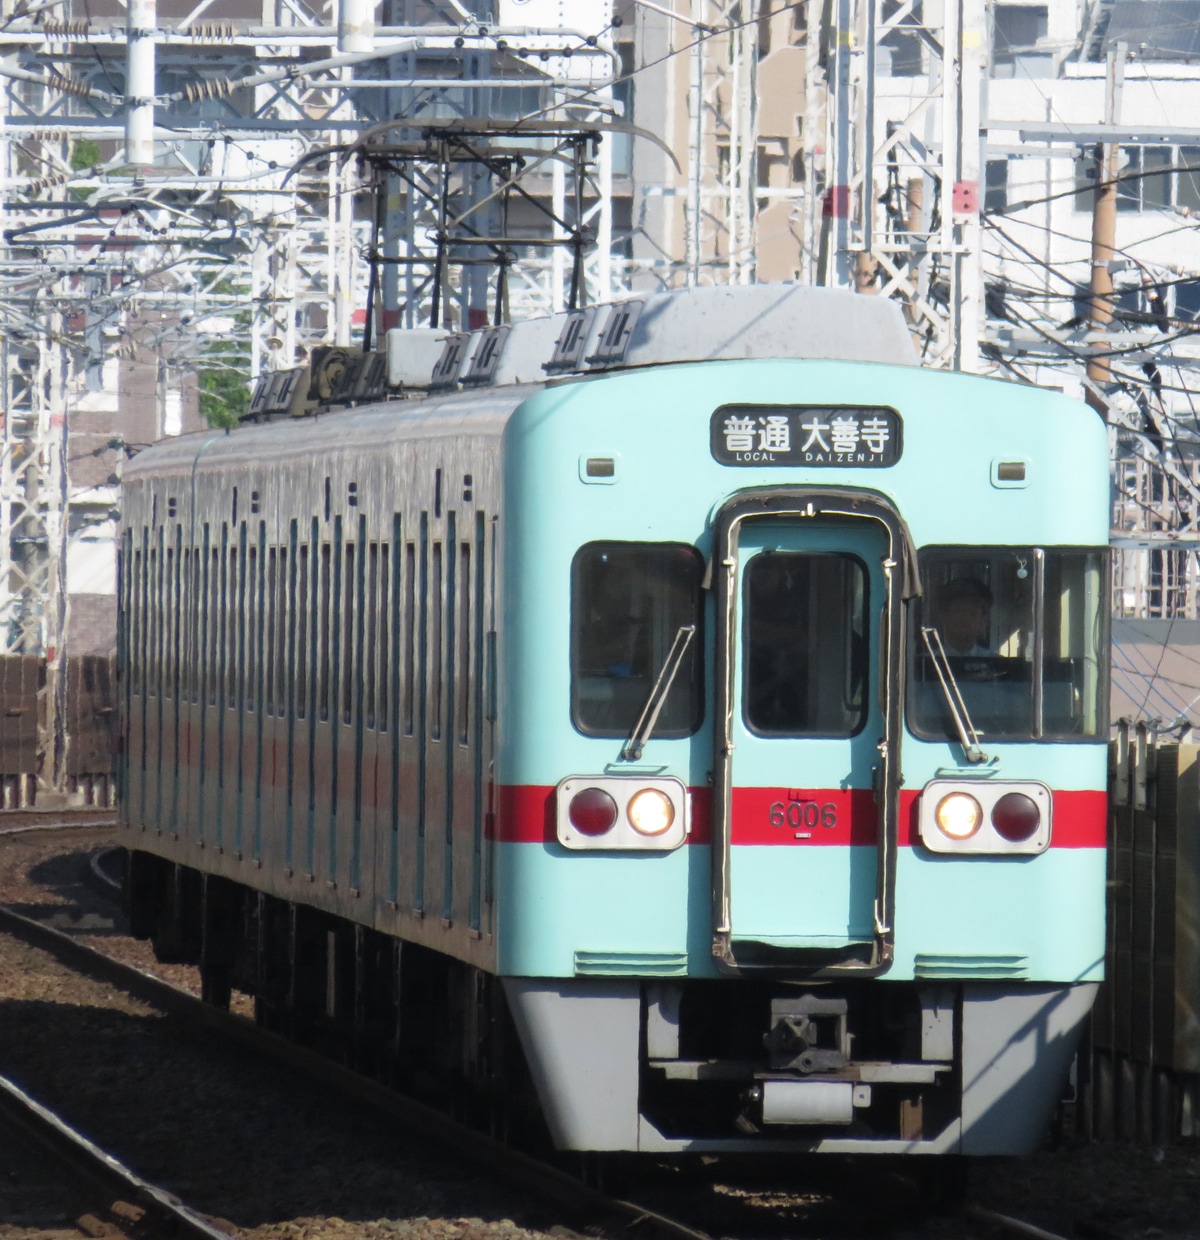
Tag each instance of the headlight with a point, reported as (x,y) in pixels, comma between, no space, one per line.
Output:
(958,815)
(650,812)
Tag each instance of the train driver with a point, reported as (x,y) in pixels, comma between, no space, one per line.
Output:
(964,607)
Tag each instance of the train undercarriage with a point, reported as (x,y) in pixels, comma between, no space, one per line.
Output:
(663,1065)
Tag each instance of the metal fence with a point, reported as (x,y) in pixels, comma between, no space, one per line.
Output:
(79,771)
(1139,1069)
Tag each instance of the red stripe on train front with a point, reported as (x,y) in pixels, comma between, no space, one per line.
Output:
(795,817)
(804,816)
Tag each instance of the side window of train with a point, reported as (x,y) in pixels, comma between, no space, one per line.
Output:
(628,601)
(1024,630)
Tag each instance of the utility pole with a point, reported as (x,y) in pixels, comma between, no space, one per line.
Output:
(1104,229)
(844,105)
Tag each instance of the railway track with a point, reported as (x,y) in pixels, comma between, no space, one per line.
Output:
(66,1166)
(585,1207)
(589,1208)
(592,1211)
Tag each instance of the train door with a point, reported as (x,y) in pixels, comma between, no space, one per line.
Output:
(808,685)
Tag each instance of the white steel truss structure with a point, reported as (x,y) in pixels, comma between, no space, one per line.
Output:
(900,215)
(184,187)
(722,160)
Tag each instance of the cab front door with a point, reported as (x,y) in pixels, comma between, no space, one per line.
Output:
(809,635)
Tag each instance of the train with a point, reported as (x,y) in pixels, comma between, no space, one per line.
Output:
(680,720)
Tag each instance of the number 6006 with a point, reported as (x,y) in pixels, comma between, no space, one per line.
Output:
(803,814)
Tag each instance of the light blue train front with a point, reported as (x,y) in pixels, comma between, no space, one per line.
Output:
(800,812)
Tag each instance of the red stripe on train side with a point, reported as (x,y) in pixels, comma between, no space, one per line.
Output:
(525,815)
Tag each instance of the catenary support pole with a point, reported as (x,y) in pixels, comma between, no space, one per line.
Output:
(139,82)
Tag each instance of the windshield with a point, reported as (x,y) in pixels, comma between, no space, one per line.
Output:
(1025,630)
(628,603)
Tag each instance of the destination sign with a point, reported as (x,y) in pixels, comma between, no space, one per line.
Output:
(854,436)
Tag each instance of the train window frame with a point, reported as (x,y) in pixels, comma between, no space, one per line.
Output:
(270,610)
(293,608)
(302,647)
(252,624)
(383,696)
(695,655)
(279,643)
(179,604)
(137,625)
(864,620)
(237,620)
(435,667)
(463,644)
(169,622)
(1034,559)
(196,637)
(409,640)
(370,622)
(153,612)
(214,669)
(323,640)
(349,642)
(334,636)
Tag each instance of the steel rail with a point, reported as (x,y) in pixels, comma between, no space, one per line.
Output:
(58,826)
(417,1118)
(101,1168)
(1006,1222)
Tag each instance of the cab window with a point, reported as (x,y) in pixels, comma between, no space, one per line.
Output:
(1024,630)
(628,602)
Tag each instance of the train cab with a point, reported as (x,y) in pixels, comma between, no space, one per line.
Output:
(807,688)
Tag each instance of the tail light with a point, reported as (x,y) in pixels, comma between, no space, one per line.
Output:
(1016,817)
(592,812)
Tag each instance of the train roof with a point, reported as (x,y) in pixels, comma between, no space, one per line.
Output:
(369,429)
(720,323)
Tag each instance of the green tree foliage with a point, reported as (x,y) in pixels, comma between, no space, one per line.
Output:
(224,390)
(84,154)
(221,374)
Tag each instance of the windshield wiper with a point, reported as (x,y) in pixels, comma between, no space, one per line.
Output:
(658,695)
(967,734)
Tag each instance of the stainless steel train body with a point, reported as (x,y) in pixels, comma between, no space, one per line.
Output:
(628,705)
